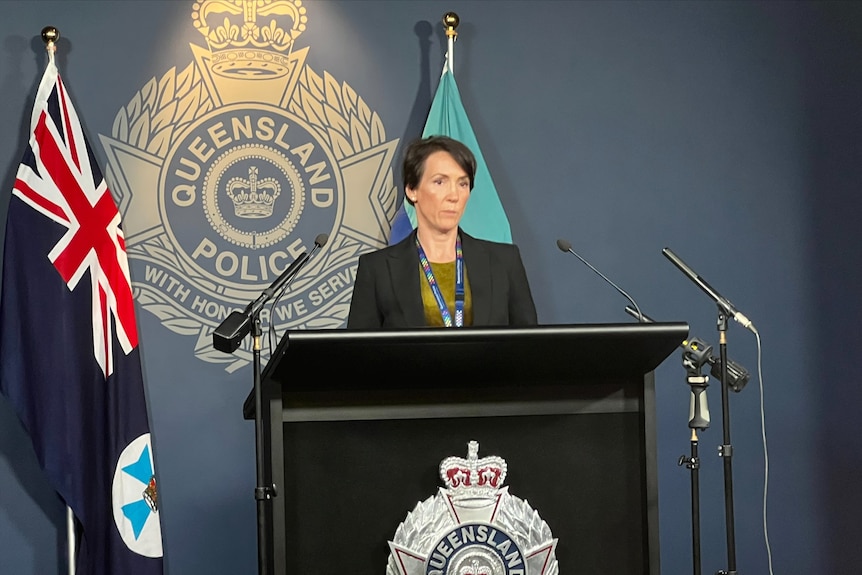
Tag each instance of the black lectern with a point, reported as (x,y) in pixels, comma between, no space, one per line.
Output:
(357,422)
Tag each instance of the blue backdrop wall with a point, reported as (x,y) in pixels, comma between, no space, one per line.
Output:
(728,131)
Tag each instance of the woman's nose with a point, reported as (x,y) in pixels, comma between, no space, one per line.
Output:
(452,192)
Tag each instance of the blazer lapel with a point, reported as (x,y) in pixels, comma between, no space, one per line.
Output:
(477,261)
(404,274)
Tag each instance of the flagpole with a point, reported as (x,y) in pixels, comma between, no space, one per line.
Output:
(50,35)
(70,539)
(451,21)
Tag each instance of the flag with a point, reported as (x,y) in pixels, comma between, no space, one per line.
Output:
(69,356)
(484,216)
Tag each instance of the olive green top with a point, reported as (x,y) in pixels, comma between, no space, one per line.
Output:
(445,276)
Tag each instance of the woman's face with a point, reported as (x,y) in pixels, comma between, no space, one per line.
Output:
(441,195)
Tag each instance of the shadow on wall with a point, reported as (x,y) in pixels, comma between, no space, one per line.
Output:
(14,95)
(421,104)
(833,81)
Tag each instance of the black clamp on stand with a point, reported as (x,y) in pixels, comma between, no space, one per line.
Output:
(227,338)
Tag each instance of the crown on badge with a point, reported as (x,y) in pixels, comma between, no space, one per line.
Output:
(473,474)
(256,23)
(253,197)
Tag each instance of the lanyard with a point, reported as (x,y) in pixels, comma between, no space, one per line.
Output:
(435,289)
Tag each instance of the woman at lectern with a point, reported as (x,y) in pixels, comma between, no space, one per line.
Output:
(440,276)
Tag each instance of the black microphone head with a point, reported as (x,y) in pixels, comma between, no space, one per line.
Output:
(321,240)
(229,335)
(564,245)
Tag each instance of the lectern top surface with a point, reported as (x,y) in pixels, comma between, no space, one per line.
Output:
(502,355)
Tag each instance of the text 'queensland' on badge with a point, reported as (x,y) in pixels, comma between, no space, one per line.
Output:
(473,526)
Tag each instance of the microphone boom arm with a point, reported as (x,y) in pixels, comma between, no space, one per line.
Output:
(228,336)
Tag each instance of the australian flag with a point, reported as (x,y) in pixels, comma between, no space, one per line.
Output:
(69,356)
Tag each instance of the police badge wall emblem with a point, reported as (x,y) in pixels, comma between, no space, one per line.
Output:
(227,170)
(473,526)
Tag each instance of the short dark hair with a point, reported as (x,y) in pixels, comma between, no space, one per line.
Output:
(419,150)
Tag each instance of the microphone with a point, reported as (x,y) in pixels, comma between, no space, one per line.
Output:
(228,336)
(566,246)
(725,304)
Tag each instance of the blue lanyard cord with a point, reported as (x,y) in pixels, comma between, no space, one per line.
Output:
(435,289)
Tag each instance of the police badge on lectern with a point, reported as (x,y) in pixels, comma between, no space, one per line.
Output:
(473,526)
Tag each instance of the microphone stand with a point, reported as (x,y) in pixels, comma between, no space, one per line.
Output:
(227,338)
(725,450)
(726,310)
(732,376)
(693,464)
(265,490)
(696,354)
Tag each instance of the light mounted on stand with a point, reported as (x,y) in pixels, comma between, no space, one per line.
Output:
(698,353)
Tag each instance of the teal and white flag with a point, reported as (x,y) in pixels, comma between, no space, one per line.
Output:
(484,216)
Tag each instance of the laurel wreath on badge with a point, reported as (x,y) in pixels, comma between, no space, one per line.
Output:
(163,109)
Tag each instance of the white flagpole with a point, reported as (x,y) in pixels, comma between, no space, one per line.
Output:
(451,21)
(70,539)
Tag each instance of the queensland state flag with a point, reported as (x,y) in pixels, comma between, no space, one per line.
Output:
(484,216)
(69,356)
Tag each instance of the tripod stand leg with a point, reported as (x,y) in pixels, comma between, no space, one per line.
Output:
(693,464)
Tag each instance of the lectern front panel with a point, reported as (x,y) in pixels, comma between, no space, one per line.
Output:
(350,484)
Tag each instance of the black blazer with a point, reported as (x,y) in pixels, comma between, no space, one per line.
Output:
(387,293)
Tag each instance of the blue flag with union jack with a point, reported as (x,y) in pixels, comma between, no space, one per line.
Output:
(69,356)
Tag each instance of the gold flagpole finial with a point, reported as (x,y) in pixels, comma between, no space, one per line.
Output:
(451,21)
(50,35)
